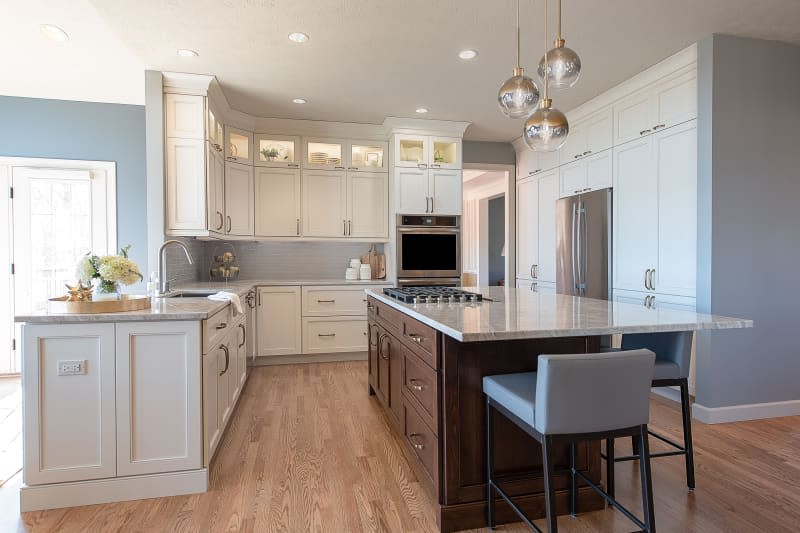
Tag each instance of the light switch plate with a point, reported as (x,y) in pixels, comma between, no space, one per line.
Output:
(71,368)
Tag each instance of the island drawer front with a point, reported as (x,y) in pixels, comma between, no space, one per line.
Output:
(330,335)
(421,383)
(334,301)
(423,442)
(421,339)
(390,318)
(215,328)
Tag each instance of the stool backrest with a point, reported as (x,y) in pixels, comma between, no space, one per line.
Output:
(584,393)
(675,347)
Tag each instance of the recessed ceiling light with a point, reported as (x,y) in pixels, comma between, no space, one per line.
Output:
(298,37)
(300,101)
(422,110)
(54,33)
(185,52)
(468,54)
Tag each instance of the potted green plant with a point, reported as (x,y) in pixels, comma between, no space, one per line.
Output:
(269,153)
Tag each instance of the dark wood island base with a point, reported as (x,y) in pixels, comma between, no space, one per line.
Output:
(431,387)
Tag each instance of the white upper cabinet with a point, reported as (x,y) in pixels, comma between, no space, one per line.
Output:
(663,104)
(277,195)
(238,145)
(185,194)
(428,191)
(282,151)
(425,151)
(367,204)
(548,196)
(531,163)
(239,201)
(214,129)
(444,189)
(587,174)
(412,191)
(183,116)
(574,146)
(215,189)
(367,156)
(572,178)
(588,136)
(527,228)
(324,154)
(324,203)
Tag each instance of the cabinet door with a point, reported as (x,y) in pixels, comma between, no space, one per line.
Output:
(445,191)
(239,202)
(635,213)
(575,145)
(211,428)
(215,189)
(186,185)
(224,404)
(527,163)
(183,114)
(214,128)
(373,333)
(238,145)
(69,423)
(527,227)
(280,151)
(367,204)
(278,320)
(572,178)
(324,204)
(159,397)
(241,352)
(599,171)
(277,195)
(384,351)
(234,339)
(548,196)
(411,151)
(674,99)
(324,154)
(547,161)
(367,156)
(444,152)
(632,117)
(599,131)
(394,352)
(334,334)
(676,153)
(412,191)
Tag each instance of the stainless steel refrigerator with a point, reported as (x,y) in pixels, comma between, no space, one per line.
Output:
(583,243)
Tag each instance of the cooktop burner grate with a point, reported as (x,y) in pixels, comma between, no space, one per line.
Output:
(431,294)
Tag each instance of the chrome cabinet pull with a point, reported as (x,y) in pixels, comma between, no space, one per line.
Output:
(417,445)
(298,226)
(326,334)
(422,165)
(230,224)
(227,358)
(222,325)
(587,152)
(436,165)
(577,191)
(534,286)
(431,204)
(221,221)
(645,131)
(535,274)
(344,227)
(652,302)
(576,156)
(532,276)
(259,298)
(416,338)
(244,335)
(659,126)
(350,227)
(339,168)
(326,301)
(647,279)
(416,384)
(293,165)
(653,279)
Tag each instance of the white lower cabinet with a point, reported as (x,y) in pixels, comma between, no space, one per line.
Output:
(279,325)
(158,383)
(544,287)
(334,334)
(212,429)
(536,227)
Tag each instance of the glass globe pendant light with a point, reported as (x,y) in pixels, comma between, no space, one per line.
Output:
(562,64)
(546,129)
(519,94)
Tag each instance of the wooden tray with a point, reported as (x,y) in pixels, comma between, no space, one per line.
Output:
(127,302)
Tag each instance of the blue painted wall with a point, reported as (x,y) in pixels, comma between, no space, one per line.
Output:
(497,237)
(32,127)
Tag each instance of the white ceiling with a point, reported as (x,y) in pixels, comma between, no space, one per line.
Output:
(369,59)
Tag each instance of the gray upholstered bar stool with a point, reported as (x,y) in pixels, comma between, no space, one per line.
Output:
(571,399)
(673,358)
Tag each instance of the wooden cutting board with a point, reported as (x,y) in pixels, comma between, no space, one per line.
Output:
(376,262)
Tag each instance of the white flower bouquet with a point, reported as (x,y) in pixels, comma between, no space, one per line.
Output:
(110,270)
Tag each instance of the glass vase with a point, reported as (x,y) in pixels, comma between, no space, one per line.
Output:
(106,290)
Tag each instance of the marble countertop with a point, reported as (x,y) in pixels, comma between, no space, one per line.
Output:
(186,307)
(513,313)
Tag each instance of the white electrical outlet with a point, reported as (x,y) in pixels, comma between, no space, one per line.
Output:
(71,368)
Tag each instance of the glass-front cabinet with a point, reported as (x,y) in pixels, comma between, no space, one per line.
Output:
(368,156)
(324,154)
(282,151)
(237,145)
(424,151)
(214,133)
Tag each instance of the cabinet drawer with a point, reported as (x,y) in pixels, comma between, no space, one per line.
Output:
(421,339)
(421,383)
(334,301)
(215,328)
(328,335)
(390,318)
(423,442)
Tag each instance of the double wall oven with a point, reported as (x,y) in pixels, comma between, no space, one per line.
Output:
(428,250)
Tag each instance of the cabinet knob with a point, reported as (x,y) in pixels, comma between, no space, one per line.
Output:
(415,443)
(416,338)
(416,384)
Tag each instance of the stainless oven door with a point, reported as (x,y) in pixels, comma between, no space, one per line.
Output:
(428,252)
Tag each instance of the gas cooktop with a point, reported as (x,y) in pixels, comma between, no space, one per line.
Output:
(421,295)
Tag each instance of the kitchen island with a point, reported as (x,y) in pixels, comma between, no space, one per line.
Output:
(426,364)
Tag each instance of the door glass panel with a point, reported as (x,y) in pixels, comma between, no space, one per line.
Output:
(412,150)
(276,151)
(444,152)
(240,145)
(325,154)
(363,155)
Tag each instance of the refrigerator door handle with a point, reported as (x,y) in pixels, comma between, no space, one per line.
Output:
(574,230)
(585,243)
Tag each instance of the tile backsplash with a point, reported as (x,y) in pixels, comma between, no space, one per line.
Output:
(177,265)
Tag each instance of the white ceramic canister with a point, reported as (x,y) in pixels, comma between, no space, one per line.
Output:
(355,263)
(351,274)
(364,272)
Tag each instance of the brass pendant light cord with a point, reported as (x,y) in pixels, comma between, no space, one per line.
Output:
(559,20)
(546,45)
(518,34)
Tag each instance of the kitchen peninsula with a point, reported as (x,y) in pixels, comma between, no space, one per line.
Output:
(426,362)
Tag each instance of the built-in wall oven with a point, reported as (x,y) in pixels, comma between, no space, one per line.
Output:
(428,250)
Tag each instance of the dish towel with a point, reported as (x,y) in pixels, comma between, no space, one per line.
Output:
(224,296)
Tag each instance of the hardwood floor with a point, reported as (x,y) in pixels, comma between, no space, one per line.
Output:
(308,450)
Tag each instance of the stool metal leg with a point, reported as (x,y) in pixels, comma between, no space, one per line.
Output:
(549,489)
(687,433)
(489,463)
(647,481)
(573,486)
(610,467)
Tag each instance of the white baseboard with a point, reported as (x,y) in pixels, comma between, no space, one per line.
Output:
(310,358)
(670,393)
(738,413)
(56,495)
